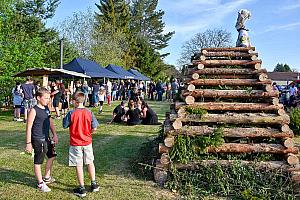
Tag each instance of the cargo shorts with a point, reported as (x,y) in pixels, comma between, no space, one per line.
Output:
(81,155)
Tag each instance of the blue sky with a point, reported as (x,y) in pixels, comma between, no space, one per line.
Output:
(274,26)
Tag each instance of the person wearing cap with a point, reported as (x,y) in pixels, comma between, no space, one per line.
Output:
(118,113)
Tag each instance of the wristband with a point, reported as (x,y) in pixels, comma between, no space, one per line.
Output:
(28,142)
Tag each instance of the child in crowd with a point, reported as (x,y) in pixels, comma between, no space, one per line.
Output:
(37,138)
(17,100)
(102,94)
(82,123)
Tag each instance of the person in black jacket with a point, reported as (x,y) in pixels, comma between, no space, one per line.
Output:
(149,117)
(133,114)
(118,113)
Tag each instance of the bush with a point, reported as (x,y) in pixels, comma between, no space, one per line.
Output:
(295,121)
(234,182)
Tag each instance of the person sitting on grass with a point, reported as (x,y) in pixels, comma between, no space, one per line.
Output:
(82,123)
(133,114)
(37,137)
(118,113)
(149,117)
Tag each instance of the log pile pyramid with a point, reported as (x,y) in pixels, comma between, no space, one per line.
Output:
(231,86)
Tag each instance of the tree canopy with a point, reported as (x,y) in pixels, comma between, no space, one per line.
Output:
(282,68)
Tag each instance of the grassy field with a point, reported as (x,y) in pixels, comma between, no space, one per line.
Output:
(115,146)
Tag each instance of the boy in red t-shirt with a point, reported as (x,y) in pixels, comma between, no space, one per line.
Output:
(82,123)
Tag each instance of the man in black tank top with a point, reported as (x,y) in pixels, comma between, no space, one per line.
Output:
(37,137)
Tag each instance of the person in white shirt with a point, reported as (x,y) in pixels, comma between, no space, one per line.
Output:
(108,91)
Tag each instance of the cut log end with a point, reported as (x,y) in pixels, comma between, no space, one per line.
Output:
(202,57)
(263,77)
(254,57)
(285,128)
(257,66)
(281,112)
(268,88)
(163,148)
(289,143)
(177,124)
(292,159)
(165,159)
(189,100)
(275,101)
(195,76)
(191,88)
(169,141)
(200,66)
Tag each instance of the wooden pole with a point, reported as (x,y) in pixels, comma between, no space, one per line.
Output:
(229,82)
(233,118)
(242,49)
(208,93)
(229,62)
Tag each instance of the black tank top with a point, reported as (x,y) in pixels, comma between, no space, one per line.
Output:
(41,124)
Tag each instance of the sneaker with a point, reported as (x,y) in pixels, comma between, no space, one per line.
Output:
(19,120)
(80,192)
(49,180)
(94,187)
(43,187)
(15,119)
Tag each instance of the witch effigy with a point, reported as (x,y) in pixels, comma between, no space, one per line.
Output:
(243,39)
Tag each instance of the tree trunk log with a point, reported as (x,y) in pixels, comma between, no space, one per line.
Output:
(189,100)
(292,159)
(235,132)
(289,142)
(226,71)
(228,82)
(249,56)
(177,124)
(165,159)
(242,49)
(233,118)
(208,93)
(163,148)
(266,107)
(160,175)
(169,141)
(228,54)
(251,63)
(273,165)
(252,148)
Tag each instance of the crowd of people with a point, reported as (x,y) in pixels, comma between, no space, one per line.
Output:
(289,95)
(96,94)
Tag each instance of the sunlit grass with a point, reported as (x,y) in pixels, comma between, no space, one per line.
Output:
(114,147)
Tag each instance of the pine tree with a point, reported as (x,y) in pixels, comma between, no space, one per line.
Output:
(147,22)
(115,13)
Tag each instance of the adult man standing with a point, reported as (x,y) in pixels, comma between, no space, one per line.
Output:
(174,88)
(108,91)
(28,93)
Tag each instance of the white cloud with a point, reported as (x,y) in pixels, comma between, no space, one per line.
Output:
(285,27)
(290,7)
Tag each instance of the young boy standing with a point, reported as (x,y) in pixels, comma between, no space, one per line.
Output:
(37,137)
(82,123)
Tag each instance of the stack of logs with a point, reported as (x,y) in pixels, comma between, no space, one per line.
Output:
(231,86)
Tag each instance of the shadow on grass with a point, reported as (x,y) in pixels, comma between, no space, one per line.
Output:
(17,177)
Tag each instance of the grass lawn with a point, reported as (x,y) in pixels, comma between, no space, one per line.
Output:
(114,148)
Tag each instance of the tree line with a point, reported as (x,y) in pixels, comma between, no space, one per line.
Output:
(118,32)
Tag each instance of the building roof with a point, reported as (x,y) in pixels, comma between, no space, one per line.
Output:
(283,76)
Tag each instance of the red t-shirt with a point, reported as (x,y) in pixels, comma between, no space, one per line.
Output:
(80,122)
